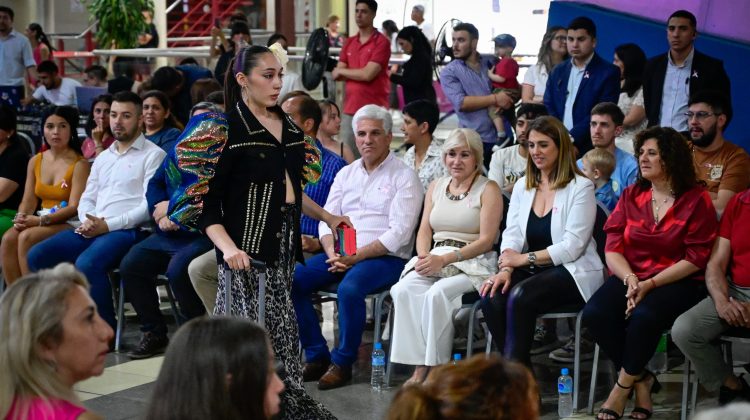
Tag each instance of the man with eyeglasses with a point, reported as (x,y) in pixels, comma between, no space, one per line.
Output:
(670,79)
(722,165)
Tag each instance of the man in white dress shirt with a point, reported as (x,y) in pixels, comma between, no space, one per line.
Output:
(112,208)
(382,197)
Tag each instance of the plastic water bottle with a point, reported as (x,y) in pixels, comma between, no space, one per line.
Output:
(456,358)
(378,367)
(658,362)
(565,391)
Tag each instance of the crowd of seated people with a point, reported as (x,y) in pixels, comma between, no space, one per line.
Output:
(675,255)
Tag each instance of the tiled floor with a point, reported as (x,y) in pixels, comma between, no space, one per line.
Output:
(124,390)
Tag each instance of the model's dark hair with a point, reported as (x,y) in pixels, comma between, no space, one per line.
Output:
(243,62)
(483,387)
(214,368)
(97,71)
(421,46)
(47,66)
(611,109)
(717,100)
(545,50)
(583,22)
(40,35)
(70,115)
(9,11)
(166,104)
(634,60)
(372,4)
(90,123)
(468,27)
(677,159)
(423,110)
(686,15)
(9,120)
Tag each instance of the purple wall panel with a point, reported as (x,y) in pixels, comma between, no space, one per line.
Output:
(724,18)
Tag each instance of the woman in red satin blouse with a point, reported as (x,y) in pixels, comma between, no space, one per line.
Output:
(659,239)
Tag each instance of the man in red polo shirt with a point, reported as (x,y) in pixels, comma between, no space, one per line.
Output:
(728,280)
(362,64)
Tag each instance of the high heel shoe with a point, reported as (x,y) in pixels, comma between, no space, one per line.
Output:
(655,388)
(613,413)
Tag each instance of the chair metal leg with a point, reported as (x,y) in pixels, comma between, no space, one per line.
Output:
(685,390)
(694,397)
(389,365)
(592,388)
(488,334)
(173,303)
(120,314)
(379,300)
(577,362)
(470,337)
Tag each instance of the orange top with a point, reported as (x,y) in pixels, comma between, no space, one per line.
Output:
(52,195)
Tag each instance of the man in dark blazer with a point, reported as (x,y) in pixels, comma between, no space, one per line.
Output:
(576,85)
(670,79)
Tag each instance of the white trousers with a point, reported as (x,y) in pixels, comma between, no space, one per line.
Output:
(423,321)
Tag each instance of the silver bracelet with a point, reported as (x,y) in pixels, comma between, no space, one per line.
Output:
(459,257)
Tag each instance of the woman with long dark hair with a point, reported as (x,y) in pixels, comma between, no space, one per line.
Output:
(98,132)
(552,52)
(669,225)
(631,60)
(232,374)
(55,177)
(160,126)
(416,74)
(253,206)
(41,47)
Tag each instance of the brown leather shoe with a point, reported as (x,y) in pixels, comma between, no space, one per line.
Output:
(314,370)
(337,376)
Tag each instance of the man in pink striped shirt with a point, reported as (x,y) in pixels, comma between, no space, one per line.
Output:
(382,197)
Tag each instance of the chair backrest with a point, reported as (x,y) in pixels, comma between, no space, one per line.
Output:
(599,235)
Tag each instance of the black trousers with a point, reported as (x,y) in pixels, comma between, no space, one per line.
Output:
(631,342)
(511,317)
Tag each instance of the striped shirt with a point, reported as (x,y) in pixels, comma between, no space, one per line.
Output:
(332,164)
(383,205)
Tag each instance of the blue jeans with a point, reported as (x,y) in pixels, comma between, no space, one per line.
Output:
(162,254)
(365,277)
(94,257)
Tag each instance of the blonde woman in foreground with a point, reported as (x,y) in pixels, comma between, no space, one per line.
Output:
(51,337)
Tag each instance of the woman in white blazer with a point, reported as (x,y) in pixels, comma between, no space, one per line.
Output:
(548,260)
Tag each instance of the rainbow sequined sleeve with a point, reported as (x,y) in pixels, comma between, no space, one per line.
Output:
(313,166)
(191,165)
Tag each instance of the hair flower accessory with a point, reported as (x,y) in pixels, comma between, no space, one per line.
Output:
(280,54)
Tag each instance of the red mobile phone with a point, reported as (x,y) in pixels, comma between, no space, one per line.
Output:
(346,244)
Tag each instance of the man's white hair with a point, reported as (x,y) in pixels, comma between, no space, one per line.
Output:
(419,7)
(373,112)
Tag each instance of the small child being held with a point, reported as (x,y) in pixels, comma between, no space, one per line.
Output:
(598,165)
(504,77)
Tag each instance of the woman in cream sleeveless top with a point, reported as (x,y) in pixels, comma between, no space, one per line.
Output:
(459,226)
